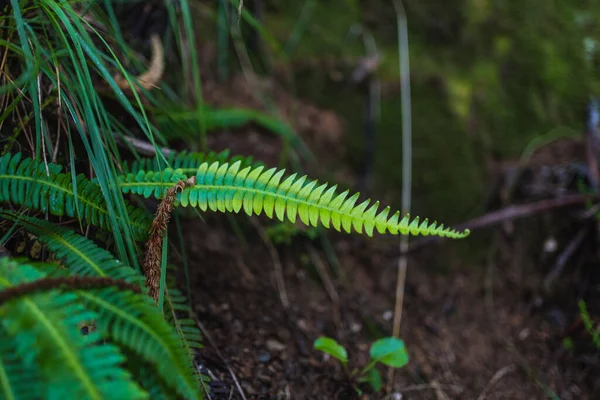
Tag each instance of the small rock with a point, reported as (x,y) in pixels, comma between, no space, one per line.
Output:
(355,327)
(302,325)
(274,345)
(524,334)
(550,245)
(388,315)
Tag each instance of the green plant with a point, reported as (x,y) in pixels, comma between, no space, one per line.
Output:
(388,351)
(60,68)
(42,324)
(589,324)
(217,187)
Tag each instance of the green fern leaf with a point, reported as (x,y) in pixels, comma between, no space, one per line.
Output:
(178,313)
(228,188)
(30,183)
(79,253)
(131,320)
(148,378)
(45,328)
(18,380)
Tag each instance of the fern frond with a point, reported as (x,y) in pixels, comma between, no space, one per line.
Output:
(129,319)
(18,380)
(178,313)
(148,378)
(27,182)
(228,188)
(133,321)
(188,162)
(44,327)
(81,255)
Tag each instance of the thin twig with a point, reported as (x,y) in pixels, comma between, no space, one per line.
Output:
(329,288)
(212,343)
(592,145)
(142,146)
(240,8)
(562,259)
(429,386)
(39,89)
(511,213)
(439,392)
(406,166)
(497,376)
(373,113)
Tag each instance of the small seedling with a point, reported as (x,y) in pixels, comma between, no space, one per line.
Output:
(389,351)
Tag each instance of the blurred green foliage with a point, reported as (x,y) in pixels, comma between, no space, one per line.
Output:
(487,78)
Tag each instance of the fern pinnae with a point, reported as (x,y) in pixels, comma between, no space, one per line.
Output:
(134,322)
(27,182)
(130,319)
(81,255)
(72,282)
(185,326)
(51,320)
(19,380)
(224,187)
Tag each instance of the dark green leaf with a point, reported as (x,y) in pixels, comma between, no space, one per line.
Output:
(375,379)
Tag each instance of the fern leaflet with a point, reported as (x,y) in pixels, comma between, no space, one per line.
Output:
(133,321)
(18,380)
(27,182)
(79,253)
(226,187)
(45,329)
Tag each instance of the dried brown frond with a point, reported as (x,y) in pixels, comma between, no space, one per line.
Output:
(153,75)
(158,229)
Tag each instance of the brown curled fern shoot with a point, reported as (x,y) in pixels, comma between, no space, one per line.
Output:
(227,187)
(158,228)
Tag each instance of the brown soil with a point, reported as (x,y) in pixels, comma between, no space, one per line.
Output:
(461,335)
(473,332)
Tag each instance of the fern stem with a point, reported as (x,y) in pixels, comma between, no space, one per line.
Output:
(64,282)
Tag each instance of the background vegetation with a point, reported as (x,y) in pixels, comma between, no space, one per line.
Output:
(501,92)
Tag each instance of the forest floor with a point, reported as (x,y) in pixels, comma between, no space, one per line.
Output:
(472,331)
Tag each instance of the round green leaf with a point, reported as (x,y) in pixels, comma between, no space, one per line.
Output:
(331,347)
(390,351)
